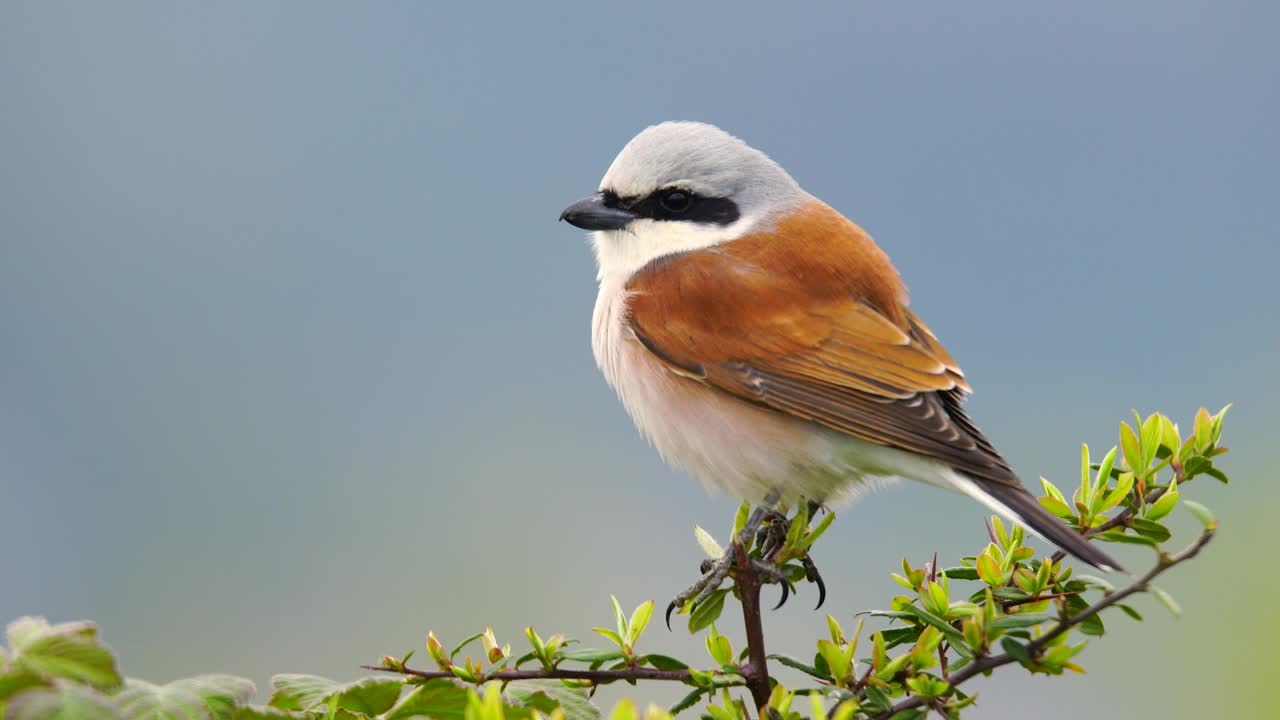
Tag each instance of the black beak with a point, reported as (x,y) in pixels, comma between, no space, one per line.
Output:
(592,214)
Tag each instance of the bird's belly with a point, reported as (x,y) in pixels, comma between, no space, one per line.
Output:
(727,443)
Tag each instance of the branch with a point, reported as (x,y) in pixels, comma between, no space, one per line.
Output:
(755,672)
(598,676)
(990,662)
(748,584)
(1122,517)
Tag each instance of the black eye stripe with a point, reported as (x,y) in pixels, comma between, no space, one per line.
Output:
(699,209)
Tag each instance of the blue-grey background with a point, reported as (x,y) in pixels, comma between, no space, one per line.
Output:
(294,358)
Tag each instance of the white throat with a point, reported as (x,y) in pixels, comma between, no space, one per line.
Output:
(620,253)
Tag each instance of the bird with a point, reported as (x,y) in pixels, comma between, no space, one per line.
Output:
(762,342)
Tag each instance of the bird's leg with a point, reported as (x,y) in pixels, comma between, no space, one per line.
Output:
(773,538)
(714,572)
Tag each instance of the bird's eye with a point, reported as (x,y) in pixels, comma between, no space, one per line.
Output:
(675,201)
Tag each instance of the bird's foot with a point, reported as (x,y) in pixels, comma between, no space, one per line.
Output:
(772,547)
(780,546)
(715,572)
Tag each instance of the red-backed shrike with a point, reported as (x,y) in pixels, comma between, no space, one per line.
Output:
(762,341)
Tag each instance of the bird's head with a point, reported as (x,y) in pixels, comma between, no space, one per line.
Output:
(680,186)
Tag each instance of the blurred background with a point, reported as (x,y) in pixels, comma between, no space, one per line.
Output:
(295,361)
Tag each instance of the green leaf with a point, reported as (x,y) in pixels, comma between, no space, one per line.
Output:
(369,696)
(1119,535)
(1200,465)
(708,543)
(264,712)
(13,681)
(1202,513)
(708,612)
(611,635)
(1103,478)
(203,696)
(639,621)
(1150,439)
(1165,504)
(1167,600)
(821,528)
(590,655)
(740,519)
(796,528)
(1128,610)
(1007,593)
(953,635)
(621,620)
(436,699)
(1169,437)
(1021,620)
(1016,650)
(62,700)
(1091,625)
(1132,448)
(687,701)
(1154,530)
(834,658)
(961,573)
(1095,581)
(624,710)
(1215,432)
(1117,495)
(989,570)
(547,695)
(458,648)
(1057,507)
(1052,490)
(1203,429)
(68,650)
(1086,482)
(795,664)
(664,662)
(894,637)
(719,648)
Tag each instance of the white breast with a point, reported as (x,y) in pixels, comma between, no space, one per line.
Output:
(724,442)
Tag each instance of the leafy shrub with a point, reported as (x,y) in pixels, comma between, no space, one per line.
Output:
(1001,606)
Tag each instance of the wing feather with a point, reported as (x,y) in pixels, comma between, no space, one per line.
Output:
(820,335)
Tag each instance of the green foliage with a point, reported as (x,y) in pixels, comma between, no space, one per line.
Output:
(1001,606)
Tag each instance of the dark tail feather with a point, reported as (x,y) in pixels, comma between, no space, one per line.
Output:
(1029,512)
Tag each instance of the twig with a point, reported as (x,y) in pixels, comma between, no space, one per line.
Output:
(1027,601)
(748,585)
(755,671)
(599,676)
(990,662)
(1122,517)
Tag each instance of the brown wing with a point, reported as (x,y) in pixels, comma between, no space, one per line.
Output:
(823,334)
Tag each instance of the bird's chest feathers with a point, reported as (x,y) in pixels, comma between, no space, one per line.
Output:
(724,442)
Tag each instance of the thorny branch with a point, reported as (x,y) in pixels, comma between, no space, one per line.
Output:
(1123,517)
(755,671)
(990,662)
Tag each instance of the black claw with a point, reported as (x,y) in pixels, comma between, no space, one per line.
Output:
(812,574)
(786,593)
(670,607)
